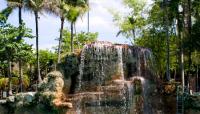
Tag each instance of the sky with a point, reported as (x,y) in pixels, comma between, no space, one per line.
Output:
(101,21)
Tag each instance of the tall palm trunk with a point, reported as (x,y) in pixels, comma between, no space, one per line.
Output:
(37,47)
(187,33)
(72,39)
(189,22)
(182,64)
(60,40)
(20,75)
(167,41)
(74,29)
(88,23)
(197,80)
(133,32)
(88,16)
(20,22)
(9,77)
(180,36)
(20,15)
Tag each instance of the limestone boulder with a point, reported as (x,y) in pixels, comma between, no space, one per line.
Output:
(51,91)
(54,82)
(25,98)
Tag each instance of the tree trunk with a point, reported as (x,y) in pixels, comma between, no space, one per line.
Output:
(167,40)
(187,32)
(72,39)
(197,80)
(60,40)
(31,74)
(20,76)
(37,48)
(182,65)
(20,15)
(74,29)
(88,23)
(189,22)
(20,22)
(181,53)
(133,32)
(9,78)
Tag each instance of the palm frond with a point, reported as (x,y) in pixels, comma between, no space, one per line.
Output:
(15,3)
(4,14)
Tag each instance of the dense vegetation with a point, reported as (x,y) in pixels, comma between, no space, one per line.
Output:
(22,66)
(170,29)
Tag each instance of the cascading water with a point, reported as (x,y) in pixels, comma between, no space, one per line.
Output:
(106,79)
(120,61)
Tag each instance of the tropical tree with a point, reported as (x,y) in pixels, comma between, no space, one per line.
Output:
(88,16)
(9,47)
(147,29)
(23,54)
(131,25)
(36,6)
(80,39)
(17,4)
(76,9)
(47,61)
(58,8)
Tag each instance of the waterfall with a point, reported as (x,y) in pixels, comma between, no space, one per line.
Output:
(106,76)
(81,67)
(120,61)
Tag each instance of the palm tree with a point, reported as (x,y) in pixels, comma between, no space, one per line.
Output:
(88,17)
(17,4)
(58,8)
(36,6)
(77,8)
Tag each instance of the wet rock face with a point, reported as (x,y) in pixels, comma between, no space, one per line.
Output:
(102,62)
(70,69)
(112,79)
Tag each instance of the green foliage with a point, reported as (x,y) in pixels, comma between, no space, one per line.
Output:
(26,81)
(47,61)
(47,58)
(137,87)
(148,28)
(130,25)
(192,102)
(34,5)
(80,39)
(3,83)
(13,50)
(4,14)
(76,9)
(9,47)
(14,81)
(196,35)
(73,14)
(70,65)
